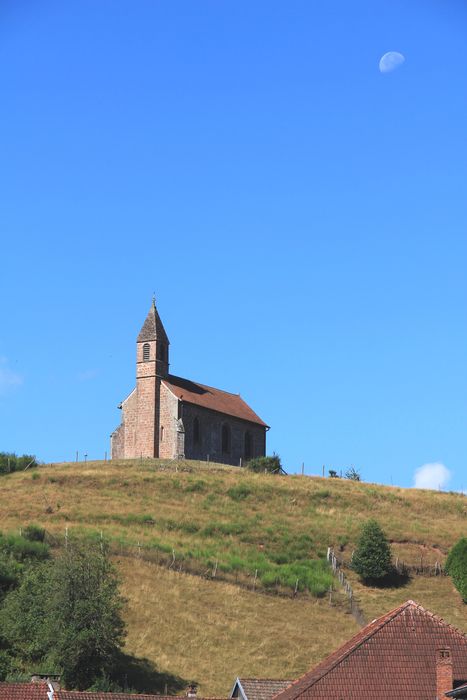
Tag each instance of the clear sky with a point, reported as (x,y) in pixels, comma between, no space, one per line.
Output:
(301,216)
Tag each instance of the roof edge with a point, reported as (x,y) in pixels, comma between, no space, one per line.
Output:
(383,621)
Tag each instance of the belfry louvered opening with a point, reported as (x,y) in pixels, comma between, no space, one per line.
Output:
(146,352)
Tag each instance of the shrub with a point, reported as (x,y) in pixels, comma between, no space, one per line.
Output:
(372,557)
(34,533)
(238,493)
(11,462)
(197,486)
(271,465)
(22,549)
(353,474)
(9,573)
(456,566)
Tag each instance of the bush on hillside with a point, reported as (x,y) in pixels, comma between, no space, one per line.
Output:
(22,549)
(372,557)
(271,465)
(11,462)
(34,533)
(456,566)
(353,474)
(9,574)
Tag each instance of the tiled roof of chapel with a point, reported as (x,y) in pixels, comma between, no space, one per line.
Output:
(212,398)
(392,658)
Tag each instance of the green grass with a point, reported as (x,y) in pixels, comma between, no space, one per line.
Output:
(274,528)
(246,537)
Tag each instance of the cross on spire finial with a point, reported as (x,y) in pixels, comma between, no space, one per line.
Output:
(154,298)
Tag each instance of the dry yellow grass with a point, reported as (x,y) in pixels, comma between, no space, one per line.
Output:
(434,593)
(212,632)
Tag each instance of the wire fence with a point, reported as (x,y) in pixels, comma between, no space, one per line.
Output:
(337,569)
(170,559)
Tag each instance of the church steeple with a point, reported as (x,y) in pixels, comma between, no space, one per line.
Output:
(152,328)
(152,366)
(153,343)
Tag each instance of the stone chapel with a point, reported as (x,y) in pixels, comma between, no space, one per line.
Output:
(170,417)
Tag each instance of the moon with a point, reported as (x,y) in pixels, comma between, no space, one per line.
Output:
(391,61)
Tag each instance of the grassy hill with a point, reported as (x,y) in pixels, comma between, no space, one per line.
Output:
(210,557)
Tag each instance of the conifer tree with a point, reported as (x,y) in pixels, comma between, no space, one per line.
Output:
(372,557)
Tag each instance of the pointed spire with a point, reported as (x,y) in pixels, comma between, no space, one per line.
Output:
(153,328)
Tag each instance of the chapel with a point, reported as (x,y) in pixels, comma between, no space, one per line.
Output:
(171,417)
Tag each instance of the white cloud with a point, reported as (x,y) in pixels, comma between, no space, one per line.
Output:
(432,476)
(8,378)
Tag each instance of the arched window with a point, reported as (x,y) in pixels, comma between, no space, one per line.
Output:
(248,445)
(146,352)
(225,438)
(162,433)
(162,352)
(196,431)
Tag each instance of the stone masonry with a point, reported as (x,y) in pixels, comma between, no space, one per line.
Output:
(170,417)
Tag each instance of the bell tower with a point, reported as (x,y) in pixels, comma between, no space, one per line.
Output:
(152,365)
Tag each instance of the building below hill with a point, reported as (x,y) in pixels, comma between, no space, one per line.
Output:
(51,690)
(169,417)
(407,654)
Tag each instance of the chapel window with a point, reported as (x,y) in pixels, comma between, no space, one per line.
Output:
(225,439)
(162,433)
(248,451)
(196,431)
(146,352)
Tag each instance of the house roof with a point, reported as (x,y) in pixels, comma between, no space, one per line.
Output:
(392,658)
(459,692)
(211,398)
(152,328)
(101,695)
(39,690)
(24,691)
(260,688)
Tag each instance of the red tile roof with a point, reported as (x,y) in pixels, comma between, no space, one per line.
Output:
(23,691)
(81,695)
(392,658)
(214,399)
(38,691)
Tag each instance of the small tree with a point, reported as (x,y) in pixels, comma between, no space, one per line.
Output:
(353,474)
(87,627)
(456,566)
(66,615)
(272,465)
(372,557)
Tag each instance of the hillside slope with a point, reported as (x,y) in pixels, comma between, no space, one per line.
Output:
(242,535)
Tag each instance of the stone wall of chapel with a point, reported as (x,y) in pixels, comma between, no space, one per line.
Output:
(129,422)
(210,423)
(168,421)
(117,443)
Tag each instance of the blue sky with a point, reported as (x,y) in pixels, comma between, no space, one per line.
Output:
(301,217)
